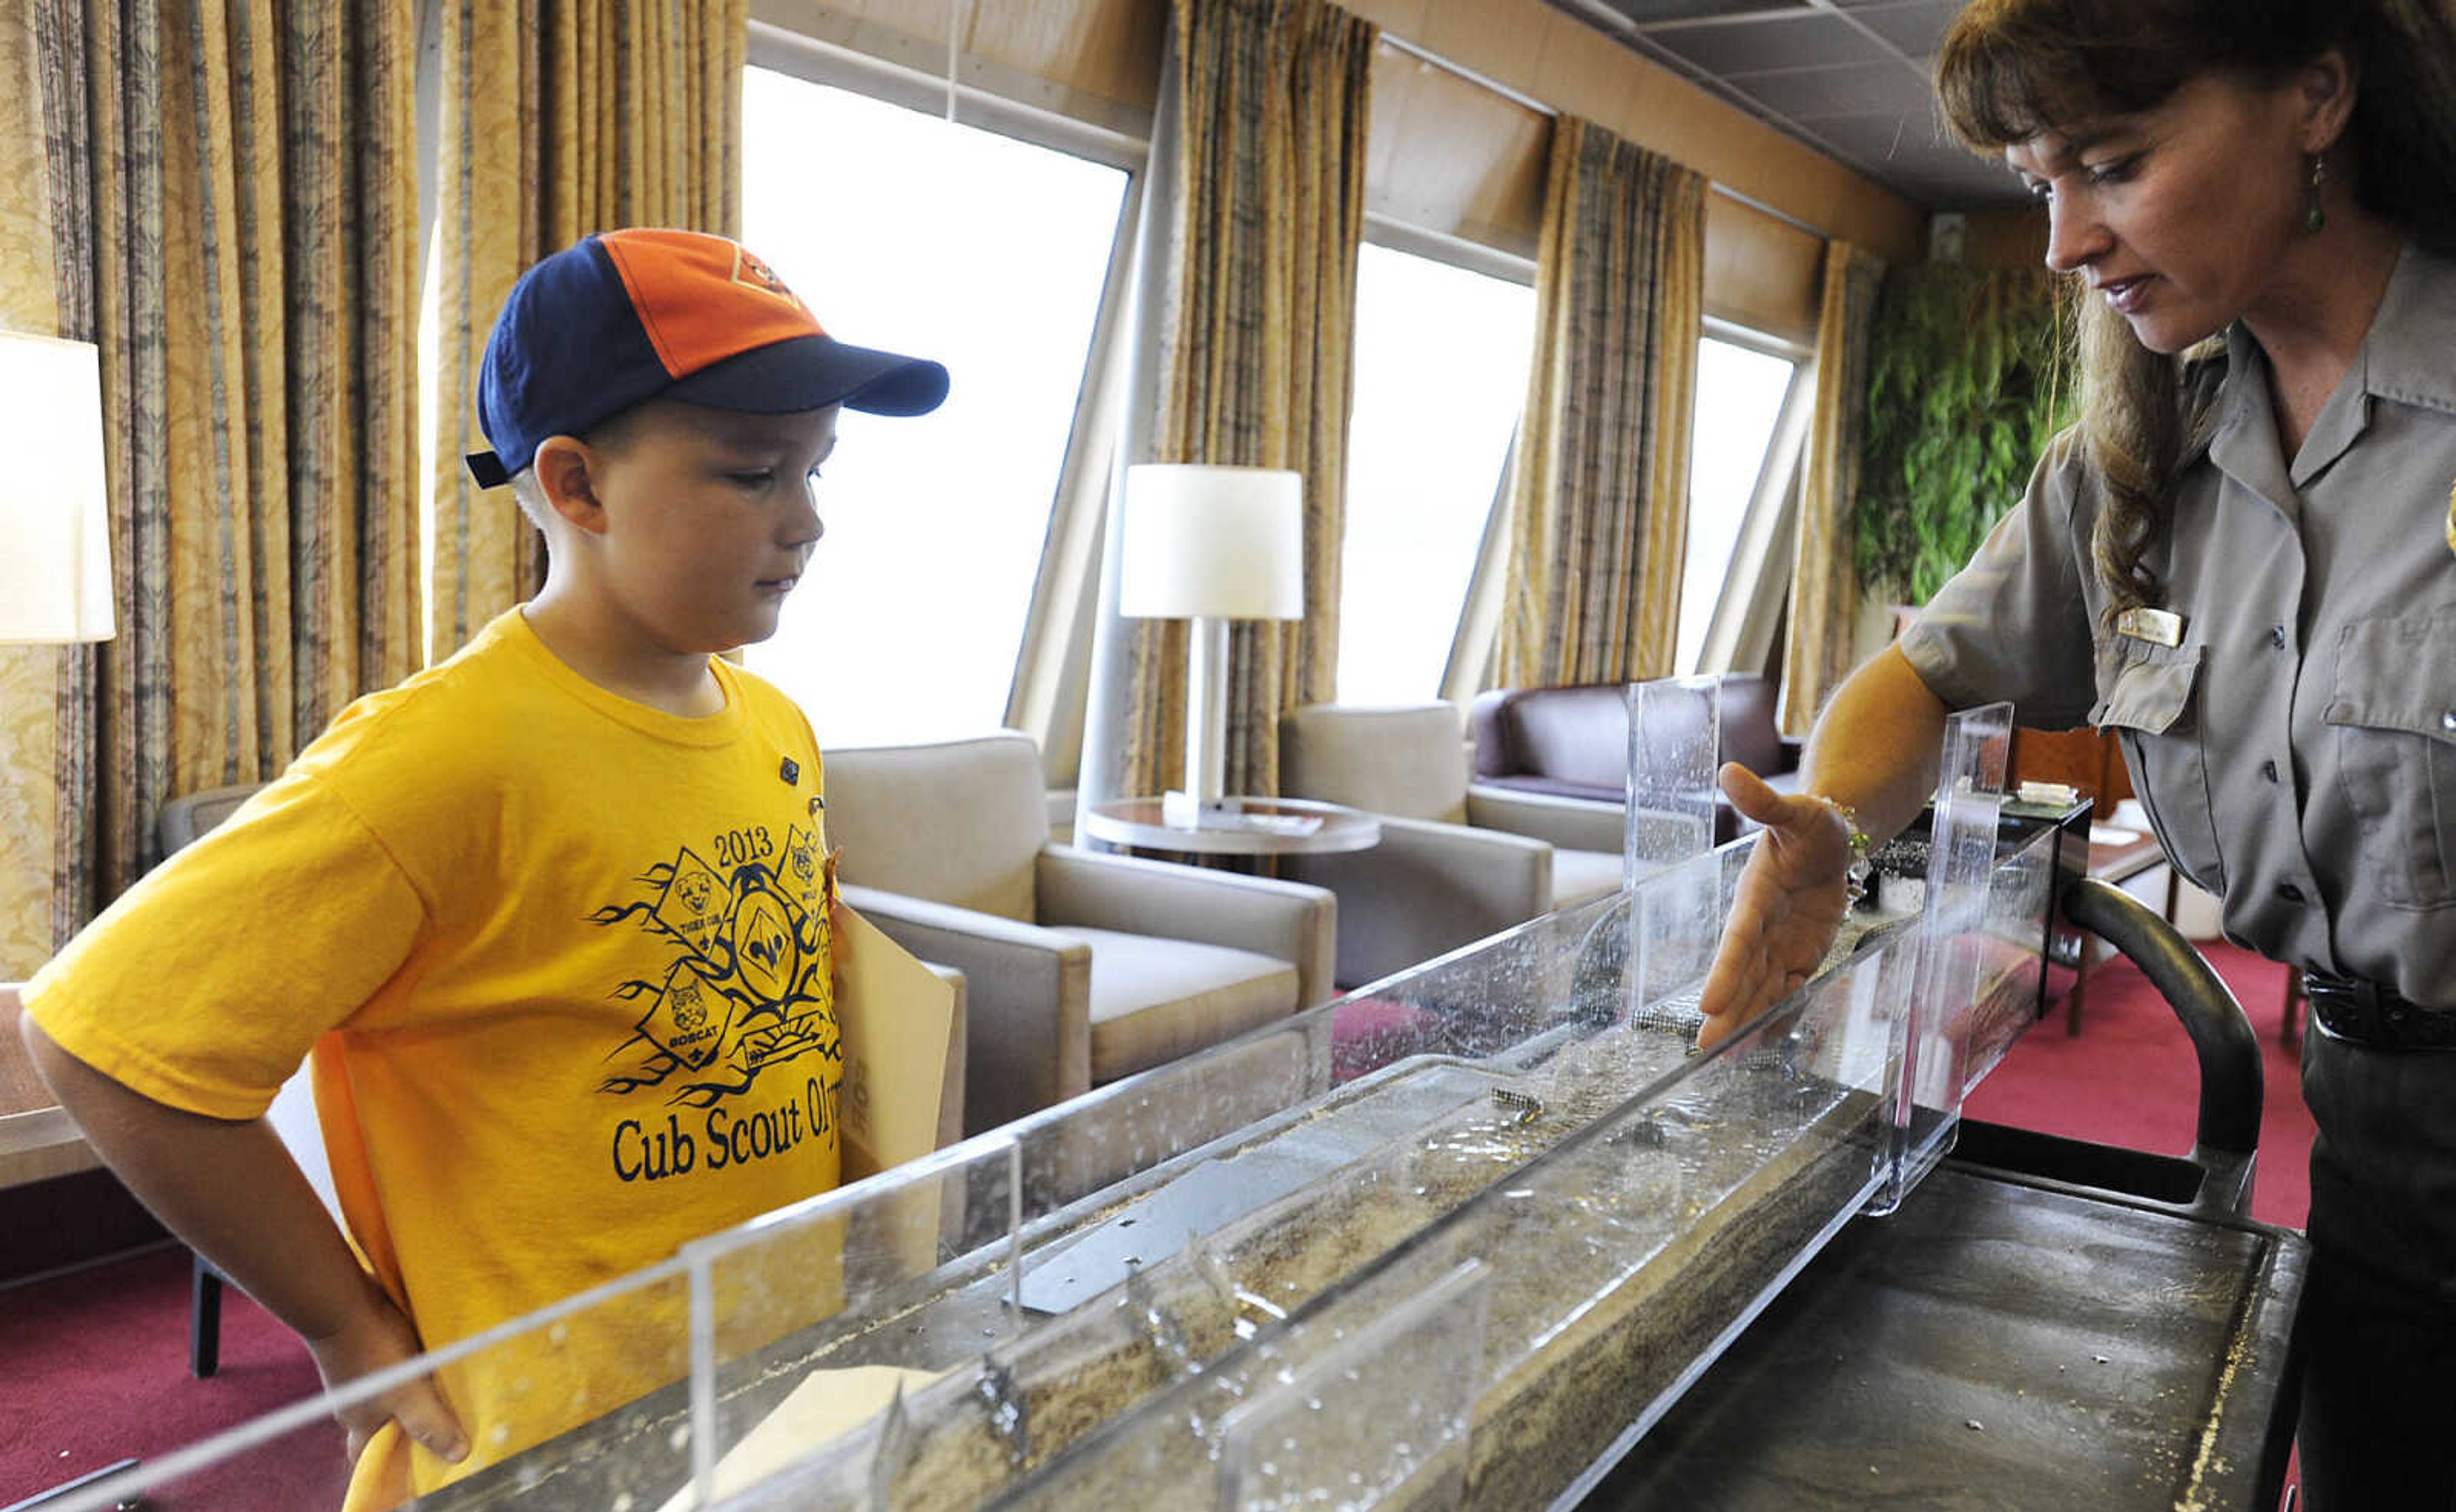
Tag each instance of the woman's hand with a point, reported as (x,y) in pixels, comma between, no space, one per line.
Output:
(1789,903)
(375,1336)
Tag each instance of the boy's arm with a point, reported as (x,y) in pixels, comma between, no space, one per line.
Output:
(232,1192)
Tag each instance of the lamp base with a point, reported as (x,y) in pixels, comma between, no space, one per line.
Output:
(1183,810)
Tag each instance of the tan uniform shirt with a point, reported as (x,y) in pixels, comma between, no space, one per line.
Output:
(2296,749)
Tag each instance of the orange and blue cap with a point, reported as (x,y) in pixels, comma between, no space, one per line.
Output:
(624,316)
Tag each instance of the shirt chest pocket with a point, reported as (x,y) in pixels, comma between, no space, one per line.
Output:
(2149,704)
(2393,726)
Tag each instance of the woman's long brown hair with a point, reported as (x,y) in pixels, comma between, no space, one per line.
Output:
(2012,69)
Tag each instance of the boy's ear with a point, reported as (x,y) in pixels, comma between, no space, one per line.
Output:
(562,464)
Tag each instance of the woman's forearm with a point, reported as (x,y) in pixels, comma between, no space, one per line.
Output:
(1875,746)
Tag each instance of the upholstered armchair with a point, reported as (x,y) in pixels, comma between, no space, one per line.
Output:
(1082,968)
(1454,865)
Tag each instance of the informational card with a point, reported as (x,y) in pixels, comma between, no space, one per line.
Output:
(897,1017)
(827,1404)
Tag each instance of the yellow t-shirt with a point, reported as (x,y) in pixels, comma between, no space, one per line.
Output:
(565,963)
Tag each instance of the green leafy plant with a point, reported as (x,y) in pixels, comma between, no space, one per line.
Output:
(1967,382)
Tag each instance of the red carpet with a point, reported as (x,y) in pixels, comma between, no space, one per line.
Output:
(2129,1078)
(93,1366)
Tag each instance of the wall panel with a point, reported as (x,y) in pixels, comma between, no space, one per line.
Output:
(1098,59)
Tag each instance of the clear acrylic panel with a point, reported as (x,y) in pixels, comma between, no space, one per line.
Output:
(1963,832)
(583,1403)
(809,1325)
(1380,1417)
(1074,1311)
(1675,730)
(2010,983)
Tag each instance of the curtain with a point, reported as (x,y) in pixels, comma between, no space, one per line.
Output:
(1824,584)
(32,677)
(1258,354)
(229,190)
(558,117)
(1599,511)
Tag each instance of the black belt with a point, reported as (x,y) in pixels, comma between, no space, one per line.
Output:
(2369,1015)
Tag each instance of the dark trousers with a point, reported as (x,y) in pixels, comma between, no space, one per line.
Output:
(2378,1321)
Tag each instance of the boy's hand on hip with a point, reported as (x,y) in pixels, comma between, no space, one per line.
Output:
(1787,907)
(377,1336)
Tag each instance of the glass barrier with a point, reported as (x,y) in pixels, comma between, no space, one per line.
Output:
(1454,1240)
(1675,738)
(580,1403)
(1965,825)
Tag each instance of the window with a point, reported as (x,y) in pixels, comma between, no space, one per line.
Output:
(1441,375)
(988,253)
(1739,396)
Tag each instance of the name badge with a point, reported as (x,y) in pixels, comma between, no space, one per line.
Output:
(2157,627)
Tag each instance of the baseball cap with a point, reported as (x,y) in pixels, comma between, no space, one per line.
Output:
(624,316)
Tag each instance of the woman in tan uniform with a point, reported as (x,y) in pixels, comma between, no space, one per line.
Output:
(2243,560)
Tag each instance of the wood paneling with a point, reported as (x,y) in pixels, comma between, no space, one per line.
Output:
(1108,50)
(1485,183)
(1094,59)
(2005,238)
(1552,56)
(1762,273)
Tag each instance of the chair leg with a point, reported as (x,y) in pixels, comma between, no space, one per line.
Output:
(204,1320)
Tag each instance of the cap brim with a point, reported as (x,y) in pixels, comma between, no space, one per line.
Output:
(812,372)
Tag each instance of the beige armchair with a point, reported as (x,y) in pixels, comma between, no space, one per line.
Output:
(1081,968)
(1454,865)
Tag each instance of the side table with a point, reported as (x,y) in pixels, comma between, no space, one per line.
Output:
(1264,827)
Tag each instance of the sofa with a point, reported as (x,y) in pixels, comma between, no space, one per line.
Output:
(1572,742)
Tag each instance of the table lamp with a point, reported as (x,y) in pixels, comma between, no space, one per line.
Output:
(55,515)
(1210,545)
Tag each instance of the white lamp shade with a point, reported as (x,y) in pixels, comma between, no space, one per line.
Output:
(1215,542)
(55,519)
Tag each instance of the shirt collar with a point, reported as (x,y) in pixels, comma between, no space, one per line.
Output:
(2402,359)
(2405,357)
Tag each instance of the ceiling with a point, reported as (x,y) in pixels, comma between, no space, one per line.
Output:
(1851,78)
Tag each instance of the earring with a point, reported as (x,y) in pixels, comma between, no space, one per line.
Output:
(2314,215)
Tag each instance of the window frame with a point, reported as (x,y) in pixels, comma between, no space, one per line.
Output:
(1480,604)
(1046,688)
(1757,578)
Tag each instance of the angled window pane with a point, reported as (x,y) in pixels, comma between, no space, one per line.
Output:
(988,253)
(1441,375)
(1739,398)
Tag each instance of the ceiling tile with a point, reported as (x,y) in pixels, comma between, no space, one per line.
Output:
(1911,156)
(1915,28)
(1787,42)
(1642,12)
(1850,89)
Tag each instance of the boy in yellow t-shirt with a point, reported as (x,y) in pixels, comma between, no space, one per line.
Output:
(552,916)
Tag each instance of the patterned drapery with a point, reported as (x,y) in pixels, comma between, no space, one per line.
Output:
(1824,582)
(1259,353)
(1599,512)
(560,117)
(229,194)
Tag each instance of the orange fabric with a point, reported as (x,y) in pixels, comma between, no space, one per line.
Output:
(668,275)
